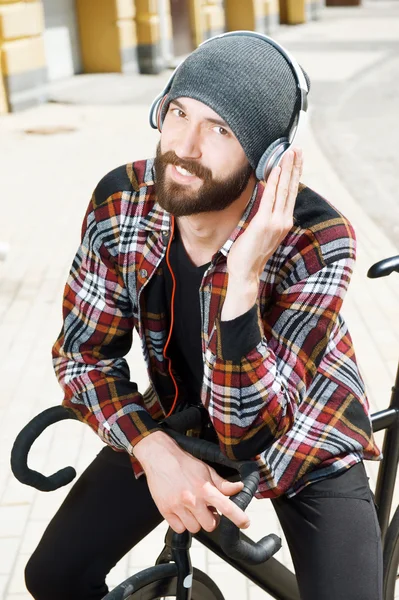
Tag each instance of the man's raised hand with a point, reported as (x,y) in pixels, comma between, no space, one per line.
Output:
(253,248)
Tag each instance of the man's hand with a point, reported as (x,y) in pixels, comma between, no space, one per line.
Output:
(253,248)
(188,493)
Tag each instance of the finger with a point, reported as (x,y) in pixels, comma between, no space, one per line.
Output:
(299,160)
(226,507)
(230,510)
(287,165)
(189,520)
(228,488)
(175,523)
(208,517)
(294,182)
(268,197)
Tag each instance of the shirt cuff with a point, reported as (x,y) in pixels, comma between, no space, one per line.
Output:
(240,335)
(129,429)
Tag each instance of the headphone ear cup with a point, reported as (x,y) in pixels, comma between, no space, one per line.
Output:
(158,114)
(271,158)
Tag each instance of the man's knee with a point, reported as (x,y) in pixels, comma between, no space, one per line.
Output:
(49,578)
(44,580)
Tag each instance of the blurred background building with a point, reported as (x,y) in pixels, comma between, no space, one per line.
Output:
(44,41)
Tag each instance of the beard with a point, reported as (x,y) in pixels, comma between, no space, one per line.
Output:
(213,195)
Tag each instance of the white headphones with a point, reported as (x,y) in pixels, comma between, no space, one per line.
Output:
(274,153)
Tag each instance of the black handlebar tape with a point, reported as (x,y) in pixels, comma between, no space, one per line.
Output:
(251,552)
(202,449)
(23,443)
(190,418)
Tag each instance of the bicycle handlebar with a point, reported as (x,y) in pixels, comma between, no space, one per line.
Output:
(230,542)
(23,443)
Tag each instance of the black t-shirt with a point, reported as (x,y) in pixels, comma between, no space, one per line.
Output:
(184,348)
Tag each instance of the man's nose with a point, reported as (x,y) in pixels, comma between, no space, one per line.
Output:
(188,145)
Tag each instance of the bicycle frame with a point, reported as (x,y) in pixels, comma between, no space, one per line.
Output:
(387,419)
(273,577)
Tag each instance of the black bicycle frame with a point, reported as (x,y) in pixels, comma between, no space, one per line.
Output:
(389,420)
(273,577)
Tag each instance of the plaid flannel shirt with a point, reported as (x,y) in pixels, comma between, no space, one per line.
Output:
(289,395)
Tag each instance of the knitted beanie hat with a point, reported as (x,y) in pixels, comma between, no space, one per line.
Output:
(248,83)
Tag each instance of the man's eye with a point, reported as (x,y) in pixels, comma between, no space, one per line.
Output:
(221,130)
(178,112)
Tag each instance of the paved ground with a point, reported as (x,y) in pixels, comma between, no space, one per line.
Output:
(45,187)
(355,94)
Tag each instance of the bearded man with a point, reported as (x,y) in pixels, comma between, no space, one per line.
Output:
(234,283)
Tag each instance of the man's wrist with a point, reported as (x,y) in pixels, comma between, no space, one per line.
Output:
(152,446)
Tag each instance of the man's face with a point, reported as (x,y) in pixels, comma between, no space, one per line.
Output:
(200,165)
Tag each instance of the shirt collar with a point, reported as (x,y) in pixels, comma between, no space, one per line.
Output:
(157,219)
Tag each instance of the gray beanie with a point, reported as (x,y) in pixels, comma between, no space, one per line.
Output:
(248,83)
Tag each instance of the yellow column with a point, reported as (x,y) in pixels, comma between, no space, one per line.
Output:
(3,93)
(295,12)
(127,36)
(266,16)
(207,19)
(22,59)
(240,14)
(256,15)
(197,21)
(107,35)
(214,18)
(148,37)
(271,16)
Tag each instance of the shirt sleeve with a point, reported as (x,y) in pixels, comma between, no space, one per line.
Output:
(255,396)
(96,335)
(238,336)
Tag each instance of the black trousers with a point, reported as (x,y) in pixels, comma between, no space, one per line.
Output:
(331,529)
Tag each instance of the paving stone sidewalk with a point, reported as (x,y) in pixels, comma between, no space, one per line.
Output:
(45,186)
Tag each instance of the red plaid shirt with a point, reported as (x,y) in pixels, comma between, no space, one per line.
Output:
(290,397)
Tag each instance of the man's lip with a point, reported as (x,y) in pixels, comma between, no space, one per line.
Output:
(183,178)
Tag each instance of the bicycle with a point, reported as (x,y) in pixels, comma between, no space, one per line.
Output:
(172,576)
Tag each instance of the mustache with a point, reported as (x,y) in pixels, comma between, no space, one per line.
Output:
(170,158)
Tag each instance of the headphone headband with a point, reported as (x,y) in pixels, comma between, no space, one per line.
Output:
(296,69)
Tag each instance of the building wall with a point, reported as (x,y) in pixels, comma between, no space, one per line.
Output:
(61,39)
(22,58)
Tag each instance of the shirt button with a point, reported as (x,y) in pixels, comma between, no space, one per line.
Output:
(143,273)
(165,235)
